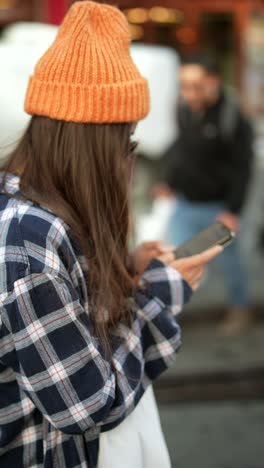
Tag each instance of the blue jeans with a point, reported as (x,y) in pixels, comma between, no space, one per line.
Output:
(188,219)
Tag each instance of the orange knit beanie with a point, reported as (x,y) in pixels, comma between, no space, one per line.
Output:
(88,75)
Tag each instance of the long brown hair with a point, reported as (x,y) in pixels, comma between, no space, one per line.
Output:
(80,172)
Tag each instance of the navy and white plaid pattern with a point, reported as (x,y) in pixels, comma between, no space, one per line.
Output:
(57,388)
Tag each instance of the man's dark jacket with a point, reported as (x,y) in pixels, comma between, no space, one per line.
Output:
(211,159)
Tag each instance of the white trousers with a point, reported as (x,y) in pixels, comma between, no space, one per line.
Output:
(138,442)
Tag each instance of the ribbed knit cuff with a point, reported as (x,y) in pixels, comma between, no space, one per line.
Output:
(118,102)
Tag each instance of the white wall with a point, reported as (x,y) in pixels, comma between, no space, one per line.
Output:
(160,66)
(24,43)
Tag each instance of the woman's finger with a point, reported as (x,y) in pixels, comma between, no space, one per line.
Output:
(152,245)
(168,258)
(167,248)
(192,276)
(196,274)
(196,285)
(200,259)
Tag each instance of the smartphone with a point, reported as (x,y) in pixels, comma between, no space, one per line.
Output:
(216,234)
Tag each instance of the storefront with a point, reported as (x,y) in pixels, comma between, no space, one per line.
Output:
(220,26)
(253,76)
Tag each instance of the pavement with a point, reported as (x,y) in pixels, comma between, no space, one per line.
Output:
(215,434)
(204,351)
(223,435)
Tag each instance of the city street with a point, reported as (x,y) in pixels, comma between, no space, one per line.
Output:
(226,432)
(219,435)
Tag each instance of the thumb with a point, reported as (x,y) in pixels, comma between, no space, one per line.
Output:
(201,259)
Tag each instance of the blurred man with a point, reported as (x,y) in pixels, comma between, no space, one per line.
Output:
(208,169)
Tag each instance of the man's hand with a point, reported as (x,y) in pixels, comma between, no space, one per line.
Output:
(162,191)
(229,220)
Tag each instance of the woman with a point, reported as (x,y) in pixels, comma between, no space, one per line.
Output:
(85,328)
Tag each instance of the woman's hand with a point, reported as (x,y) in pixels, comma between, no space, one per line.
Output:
(140,258)
(191,268)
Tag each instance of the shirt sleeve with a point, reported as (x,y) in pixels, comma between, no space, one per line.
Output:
(60,364)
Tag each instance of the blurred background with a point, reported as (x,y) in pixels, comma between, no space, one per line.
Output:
(212,401)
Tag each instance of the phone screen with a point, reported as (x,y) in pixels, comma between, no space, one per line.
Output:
(216,234)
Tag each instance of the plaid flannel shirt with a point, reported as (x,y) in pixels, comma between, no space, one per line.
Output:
(58,391)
